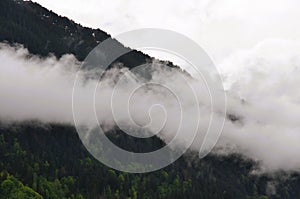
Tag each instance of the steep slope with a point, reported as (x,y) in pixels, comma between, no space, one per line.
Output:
(43,32)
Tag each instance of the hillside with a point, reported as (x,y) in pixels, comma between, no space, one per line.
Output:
(43,32)
(51,160)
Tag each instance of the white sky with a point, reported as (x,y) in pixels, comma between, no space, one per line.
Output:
(220,27)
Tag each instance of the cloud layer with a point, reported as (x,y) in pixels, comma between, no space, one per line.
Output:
(262,88)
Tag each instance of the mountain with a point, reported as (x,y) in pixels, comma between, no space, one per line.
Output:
(43,32)
(49,161)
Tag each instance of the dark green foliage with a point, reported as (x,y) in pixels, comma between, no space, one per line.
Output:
(51,160)
(12,188)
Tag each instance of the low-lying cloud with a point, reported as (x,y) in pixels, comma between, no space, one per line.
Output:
(266,79)
(261,85)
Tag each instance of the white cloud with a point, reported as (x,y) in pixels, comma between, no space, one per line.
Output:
(266,78)
(256,45)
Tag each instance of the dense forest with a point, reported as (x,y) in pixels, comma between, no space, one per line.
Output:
(48,161)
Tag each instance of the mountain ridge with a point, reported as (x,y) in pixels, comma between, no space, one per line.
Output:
(43,32)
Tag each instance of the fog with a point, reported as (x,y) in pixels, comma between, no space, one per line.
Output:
(261,85)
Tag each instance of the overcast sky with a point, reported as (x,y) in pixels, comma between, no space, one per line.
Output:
(220,27)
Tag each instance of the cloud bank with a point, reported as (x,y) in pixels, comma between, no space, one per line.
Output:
(261,84)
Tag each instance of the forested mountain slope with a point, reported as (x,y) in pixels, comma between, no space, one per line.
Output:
(51,160)
(42,32)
